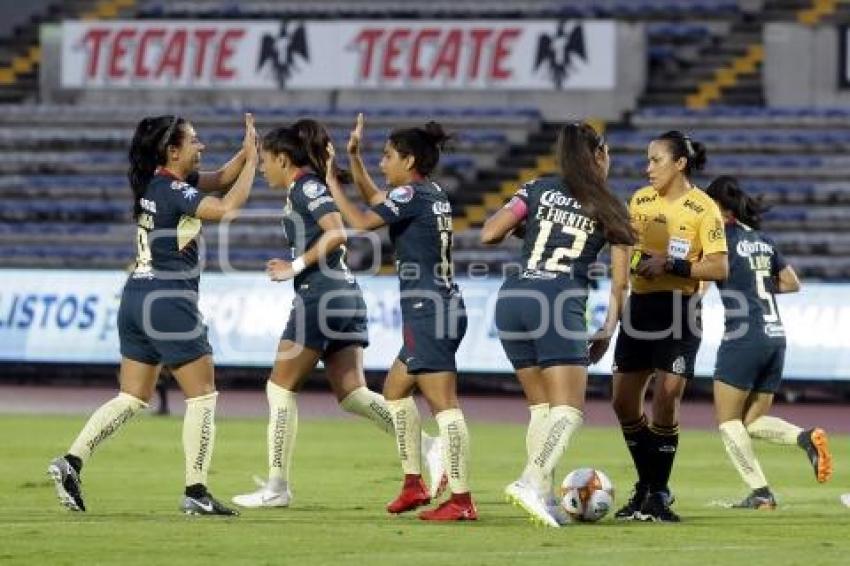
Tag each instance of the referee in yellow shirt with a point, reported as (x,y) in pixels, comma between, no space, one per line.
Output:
(681,242)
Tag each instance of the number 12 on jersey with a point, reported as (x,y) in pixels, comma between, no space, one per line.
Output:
(556,261)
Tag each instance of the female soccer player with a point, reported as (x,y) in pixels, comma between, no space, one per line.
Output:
(418,213)
(540,313)
(750,358)
(158,320)
(328,317)
(680,243)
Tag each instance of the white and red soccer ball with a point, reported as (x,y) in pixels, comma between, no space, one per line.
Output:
(587,494)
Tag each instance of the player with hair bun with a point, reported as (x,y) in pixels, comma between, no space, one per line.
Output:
(681,243)
(158,320)
(418,214)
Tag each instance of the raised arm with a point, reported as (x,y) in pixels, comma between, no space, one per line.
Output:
(353,215)
(215,208)
(222,178)
(364,183)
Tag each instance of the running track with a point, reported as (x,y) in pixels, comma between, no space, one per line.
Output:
(835,418)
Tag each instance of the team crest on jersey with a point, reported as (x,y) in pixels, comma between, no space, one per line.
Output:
(402,195)
(313,189)
(190,192)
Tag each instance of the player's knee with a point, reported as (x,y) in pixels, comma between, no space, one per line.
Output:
(625,407)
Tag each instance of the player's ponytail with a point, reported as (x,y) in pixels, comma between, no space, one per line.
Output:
(681,146)
(148,151)
(729,196)
(424,144)
(577,148)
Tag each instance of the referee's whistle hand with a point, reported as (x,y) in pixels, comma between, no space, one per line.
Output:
(652,265)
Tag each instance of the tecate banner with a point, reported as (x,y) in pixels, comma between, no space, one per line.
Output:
(359,54)
(70,316)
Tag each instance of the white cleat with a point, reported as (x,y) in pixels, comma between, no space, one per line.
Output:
(845,499)
(525,496)
(432,455)
(266,496)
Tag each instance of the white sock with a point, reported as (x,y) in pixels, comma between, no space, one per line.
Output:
(774,430)
(536,427)
(366,403)
(281,433)
(455,437)
(561,423)
(739,447)
(105,422)
(534,436)
(199,437)
(408,434)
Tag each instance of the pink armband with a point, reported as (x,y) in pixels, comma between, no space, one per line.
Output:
(518,208)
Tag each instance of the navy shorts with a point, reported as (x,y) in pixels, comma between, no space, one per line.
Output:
(432,335)
(751,365)
(328,322)
(677,331)
(161,325)
(542,323)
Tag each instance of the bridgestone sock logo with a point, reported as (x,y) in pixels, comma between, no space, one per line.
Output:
(280,422)
(110,428)
(401,434)
(206,435)
(737,454)
(455,442)
(552,440)
(382,412)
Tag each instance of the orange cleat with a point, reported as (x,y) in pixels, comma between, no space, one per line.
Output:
(459,507)
(815,443)
(413,494)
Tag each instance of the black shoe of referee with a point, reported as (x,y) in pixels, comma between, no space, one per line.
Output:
(657,508)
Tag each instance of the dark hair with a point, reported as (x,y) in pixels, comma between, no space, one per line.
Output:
(424,144)
(681,145)
(576,155)
(730,196)
(148,151)
(306,144)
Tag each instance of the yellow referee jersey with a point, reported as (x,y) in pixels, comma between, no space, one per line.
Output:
(687,228)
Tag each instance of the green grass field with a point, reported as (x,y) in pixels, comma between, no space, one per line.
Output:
(344,473)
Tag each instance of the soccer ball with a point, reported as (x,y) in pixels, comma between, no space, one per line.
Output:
(587,494)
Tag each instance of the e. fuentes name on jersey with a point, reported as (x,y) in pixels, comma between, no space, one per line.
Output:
(553,208)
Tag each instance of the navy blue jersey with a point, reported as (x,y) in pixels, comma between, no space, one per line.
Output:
(420,220)
(166,245)
(753,259)
(560,240)
(308,200)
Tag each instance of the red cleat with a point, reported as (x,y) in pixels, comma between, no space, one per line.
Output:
(413,494)
(459,507)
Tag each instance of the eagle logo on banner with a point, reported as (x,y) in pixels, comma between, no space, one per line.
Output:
(557,51)
(281,51)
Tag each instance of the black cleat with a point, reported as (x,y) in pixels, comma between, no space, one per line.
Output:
(761,498)
(657,508)
(628,511)
(68,484)
(816,445)
(206,505)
